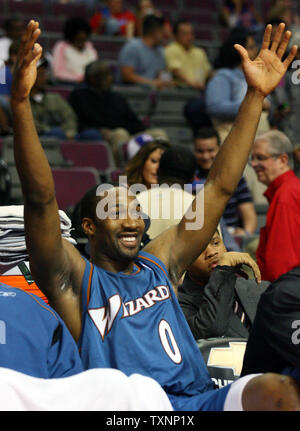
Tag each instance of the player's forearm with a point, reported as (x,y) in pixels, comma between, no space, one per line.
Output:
(31,162)
(231,160)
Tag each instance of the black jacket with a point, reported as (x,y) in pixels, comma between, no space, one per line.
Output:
(104,109)
(209,310)
(274,341)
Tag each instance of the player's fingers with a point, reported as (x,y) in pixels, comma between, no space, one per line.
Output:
(277,37)
(253,265)
(242,51)
(34,55)
(32,39)
(267,37)
(282,47)
(291,56)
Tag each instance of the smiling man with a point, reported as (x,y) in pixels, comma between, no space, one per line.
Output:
(279,248)
(121,306)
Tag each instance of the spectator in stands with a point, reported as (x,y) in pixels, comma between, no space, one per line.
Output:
(36,340)
(166,206)
(104,113)
(141,60)
(239,213)
(146,7)
(113,20)
(279,248)
(13,28)
(53,116)
(225,91)
(188,63)
(273,344)
(240,13)
(214,299)
(71,55)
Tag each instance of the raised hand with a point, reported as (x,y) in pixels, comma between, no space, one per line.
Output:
(25,70)
(238,259)
(265,72)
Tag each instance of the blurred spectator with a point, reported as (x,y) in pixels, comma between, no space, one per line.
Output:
(240,13)
(141,60)
(166,206)
(279,248)
(146,7)
(13,28)
(72,55)
(226,90)
(214,299)
(289,106)
(113,20)
(143,167)
(52,114)
(239,213)
(104,113)
(188,63)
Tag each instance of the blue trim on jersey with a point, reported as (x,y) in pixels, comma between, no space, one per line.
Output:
(134,323)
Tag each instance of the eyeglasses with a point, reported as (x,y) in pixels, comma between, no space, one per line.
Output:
(261,158)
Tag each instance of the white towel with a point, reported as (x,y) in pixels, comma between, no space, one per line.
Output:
(93,390)
(14,214)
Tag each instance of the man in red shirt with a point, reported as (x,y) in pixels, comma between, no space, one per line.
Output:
(279,245)
(114,20)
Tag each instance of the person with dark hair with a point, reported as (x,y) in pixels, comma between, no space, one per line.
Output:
(141,60)
(188,64)
(226,90)
(120,306)
(113,20)
(175,172)
(13,28)
(103,113)
(239,214)
(71,55)
(215,299)
(146,7)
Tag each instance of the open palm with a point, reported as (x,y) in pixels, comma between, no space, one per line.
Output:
(265,72)
(25,70)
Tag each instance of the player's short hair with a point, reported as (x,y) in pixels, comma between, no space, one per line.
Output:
(152,23)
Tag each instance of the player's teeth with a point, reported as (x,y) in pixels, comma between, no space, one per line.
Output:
(129,238)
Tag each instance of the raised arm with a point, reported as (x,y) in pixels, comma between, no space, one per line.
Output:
(179,246)
(56,265)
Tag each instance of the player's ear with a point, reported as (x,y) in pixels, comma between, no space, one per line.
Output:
(88,226)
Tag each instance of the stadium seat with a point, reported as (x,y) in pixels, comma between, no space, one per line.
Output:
(70,10)
(223,358)
(72,183)
(108,48)
(86,154)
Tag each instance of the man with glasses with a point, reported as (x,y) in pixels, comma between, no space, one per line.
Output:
(279,247)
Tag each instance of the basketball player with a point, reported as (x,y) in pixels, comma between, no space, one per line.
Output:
(120,306)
